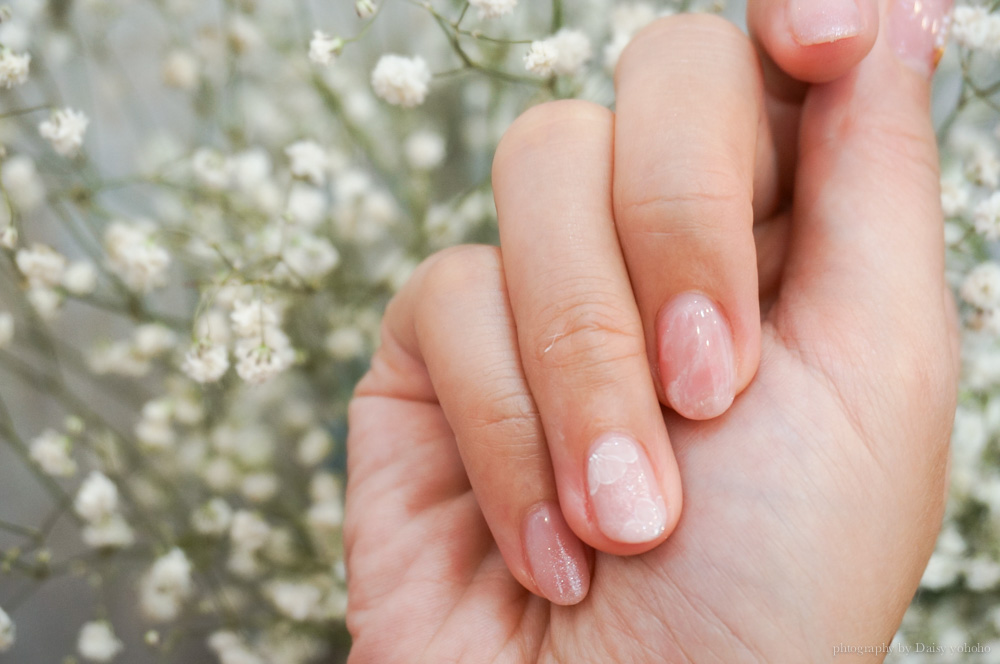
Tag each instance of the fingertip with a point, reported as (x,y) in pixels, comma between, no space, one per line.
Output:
(814,41)
(556,559)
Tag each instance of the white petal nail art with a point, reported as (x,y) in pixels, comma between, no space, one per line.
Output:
(624,492)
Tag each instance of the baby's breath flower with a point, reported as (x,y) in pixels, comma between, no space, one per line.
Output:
(212,169)
(259,487)
(249,531)
(400,80)
(97,642)
(41,265)
(976,28)
(573,51)
(308,160)
(981,287)
(231,649)
(166,586)
(80,278)
(135,256)
(541,58)
(493,8)
(51,451)
(8,632)
(323,49)
(13,68)
(345,343)
(153,339)
(365,8)
(112,532)
(297,600)
(425,150)
(97,498)
(213,518)
(987,217)
(314,447)
(6,328)
(206,362)
(309,257)
(258,361)
(64,130)
(22,183)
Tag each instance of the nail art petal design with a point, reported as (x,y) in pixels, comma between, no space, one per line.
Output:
(697,360)
(626,498)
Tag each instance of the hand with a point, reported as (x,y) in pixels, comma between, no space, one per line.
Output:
(811,503)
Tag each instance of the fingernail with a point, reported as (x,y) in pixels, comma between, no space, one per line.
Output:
(697,363)
(624,492)
(555,556)
(918,32)
(823,21)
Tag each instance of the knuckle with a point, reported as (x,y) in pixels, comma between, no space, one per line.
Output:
(544,126)
(505,417)
(692,202)
(589,336)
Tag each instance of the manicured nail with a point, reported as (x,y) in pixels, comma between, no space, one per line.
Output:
(697,363)
(918,31)
(823,21)
(624,492)
(555,556)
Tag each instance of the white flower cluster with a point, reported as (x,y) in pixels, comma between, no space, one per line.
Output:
(64,130)
(564,53)
(262,349)
(166,586)
(323,48)
(401,81)
(976,28)
(97,504)
(8,631)
(97,642)
(13,68)
(135,256)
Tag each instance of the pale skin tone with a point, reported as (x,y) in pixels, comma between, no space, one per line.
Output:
(797,518)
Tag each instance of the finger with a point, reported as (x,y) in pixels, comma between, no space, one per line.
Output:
(683,194)
(578,328)
(801,42)
(456,317)
(867,239)
(810,41)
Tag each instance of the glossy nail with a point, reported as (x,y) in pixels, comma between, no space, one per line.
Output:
(823,21)
(918,32)
(555,556)
(624,493)
(697,361)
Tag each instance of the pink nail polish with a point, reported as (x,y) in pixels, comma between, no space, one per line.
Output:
(918,32)
(624,492)
(823,21)
(697,361)
(555,556)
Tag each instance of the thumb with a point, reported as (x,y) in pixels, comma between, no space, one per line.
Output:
(867,237)
(810,41)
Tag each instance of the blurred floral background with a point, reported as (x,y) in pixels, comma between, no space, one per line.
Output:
(205,206)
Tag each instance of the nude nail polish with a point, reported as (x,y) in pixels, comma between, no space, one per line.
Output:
(624,492)
(696,357)
(555,556)
(918,32)
(823,21)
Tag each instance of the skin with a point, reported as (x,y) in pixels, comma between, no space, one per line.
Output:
(810,506)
